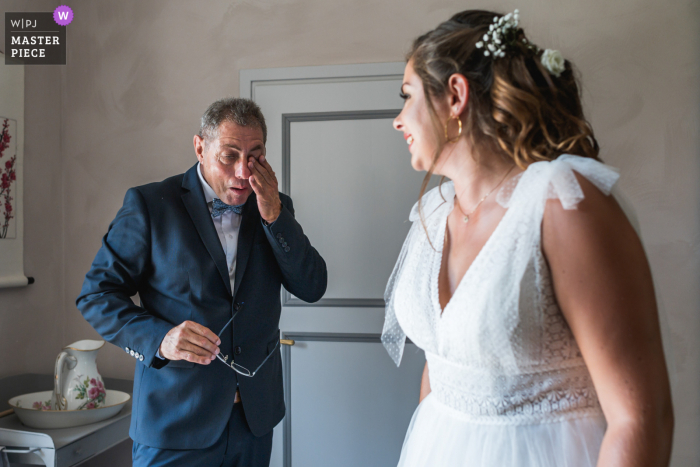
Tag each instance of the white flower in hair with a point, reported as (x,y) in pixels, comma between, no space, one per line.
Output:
(503,33)
(553,61)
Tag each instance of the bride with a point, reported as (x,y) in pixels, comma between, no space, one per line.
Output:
(521,278)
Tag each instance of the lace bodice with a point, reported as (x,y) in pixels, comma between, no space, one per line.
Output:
(501,351)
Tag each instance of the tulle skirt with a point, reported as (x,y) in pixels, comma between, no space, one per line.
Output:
(440,436)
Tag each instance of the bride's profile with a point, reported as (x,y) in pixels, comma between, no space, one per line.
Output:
(521,278)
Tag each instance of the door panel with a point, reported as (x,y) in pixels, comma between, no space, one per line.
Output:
(347,200)
(357,417)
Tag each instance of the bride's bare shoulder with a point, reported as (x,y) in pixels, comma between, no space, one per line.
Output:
(596,219)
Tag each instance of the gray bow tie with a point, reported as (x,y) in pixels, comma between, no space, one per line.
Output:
(219,207)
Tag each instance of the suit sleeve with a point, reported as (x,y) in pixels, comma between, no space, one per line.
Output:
(116,274)
(303,270)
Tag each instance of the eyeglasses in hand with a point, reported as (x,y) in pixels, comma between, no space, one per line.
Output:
(240,369)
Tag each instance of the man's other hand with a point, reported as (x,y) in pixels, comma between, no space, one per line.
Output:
(191,342)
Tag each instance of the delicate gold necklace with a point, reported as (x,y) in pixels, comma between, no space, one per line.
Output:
(466,215)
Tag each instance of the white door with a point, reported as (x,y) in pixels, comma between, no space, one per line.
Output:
(331,143)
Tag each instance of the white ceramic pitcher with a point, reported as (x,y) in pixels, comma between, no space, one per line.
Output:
(77,384)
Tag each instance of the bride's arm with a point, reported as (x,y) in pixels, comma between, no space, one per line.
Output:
(603,284)
(424,384)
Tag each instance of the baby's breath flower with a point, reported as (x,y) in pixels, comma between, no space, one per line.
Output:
(502,35)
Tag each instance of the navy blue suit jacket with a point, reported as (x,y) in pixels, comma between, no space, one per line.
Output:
(163,245)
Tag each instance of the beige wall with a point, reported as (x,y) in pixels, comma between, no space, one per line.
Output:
(32,319)
(141,73)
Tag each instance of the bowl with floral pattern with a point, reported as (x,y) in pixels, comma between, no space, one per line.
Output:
(35,410)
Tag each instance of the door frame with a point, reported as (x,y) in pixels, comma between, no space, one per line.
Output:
(250,80)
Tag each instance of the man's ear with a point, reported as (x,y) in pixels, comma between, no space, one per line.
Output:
(457,93)
(199,144)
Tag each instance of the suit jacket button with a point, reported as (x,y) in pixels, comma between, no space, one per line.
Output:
(284,245)
(281,240)
(131,352)
(287,249)
(137,355)
(127,349)
(237,350)
(141,358)
(279,235)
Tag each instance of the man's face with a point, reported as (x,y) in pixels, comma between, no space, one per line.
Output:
(224,160)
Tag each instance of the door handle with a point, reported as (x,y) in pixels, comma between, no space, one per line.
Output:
(20,451)
(289,342)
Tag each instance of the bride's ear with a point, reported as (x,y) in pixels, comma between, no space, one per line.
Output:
(457,93)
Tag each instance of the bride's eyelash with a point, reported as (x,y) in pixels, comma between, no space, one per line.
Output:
(403,95)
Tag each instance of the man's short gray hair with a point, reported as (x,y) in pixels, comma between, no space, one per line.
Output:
(243,112)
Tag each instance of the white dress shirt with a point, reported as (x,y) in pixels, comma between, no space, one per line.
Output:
(227,226)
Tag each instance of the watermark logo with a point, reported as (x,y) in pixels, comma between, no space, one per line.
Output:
(63,15)
(37,38)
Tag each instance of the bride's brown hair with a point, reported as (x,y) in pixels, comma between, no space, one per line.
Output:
(517,109)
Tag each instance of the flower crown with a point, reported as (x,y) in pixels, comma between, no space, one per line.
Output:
(503,33)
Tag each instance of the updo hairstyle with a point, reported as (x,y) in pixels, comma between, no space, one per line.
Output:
(516,109)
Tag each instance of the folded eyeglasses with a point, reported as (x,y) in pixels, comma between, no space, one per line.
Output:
(240,369)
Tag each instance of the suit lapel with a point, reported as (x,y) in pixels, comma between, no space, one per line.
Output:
(196,206)
(245,239)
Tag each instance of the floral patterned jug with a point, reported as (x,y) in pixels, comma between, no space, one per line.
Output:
(77,384)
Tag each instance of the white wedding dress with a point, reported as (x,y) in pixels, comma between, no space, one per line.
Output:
(509,385)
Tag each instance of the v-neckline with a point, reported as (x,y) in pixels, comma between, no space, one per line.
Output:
(438,266)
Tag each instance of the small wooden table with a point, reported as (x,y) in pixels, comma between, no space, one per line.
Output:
(60,447)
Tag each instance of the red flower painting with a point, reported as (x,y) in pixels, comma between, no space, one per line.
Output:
(7,177)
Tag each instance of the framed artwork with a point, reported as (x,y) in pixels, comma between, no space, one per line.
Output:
(11,175)
(8,178)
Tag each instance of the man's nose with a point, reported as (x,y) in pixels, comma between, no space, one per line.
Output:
(242,170)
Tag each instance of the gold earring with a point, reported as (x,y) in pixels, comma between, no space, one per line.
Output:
(459,121)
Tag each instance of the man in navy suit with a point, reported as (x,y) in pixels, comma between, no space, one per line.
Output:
(207,252)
